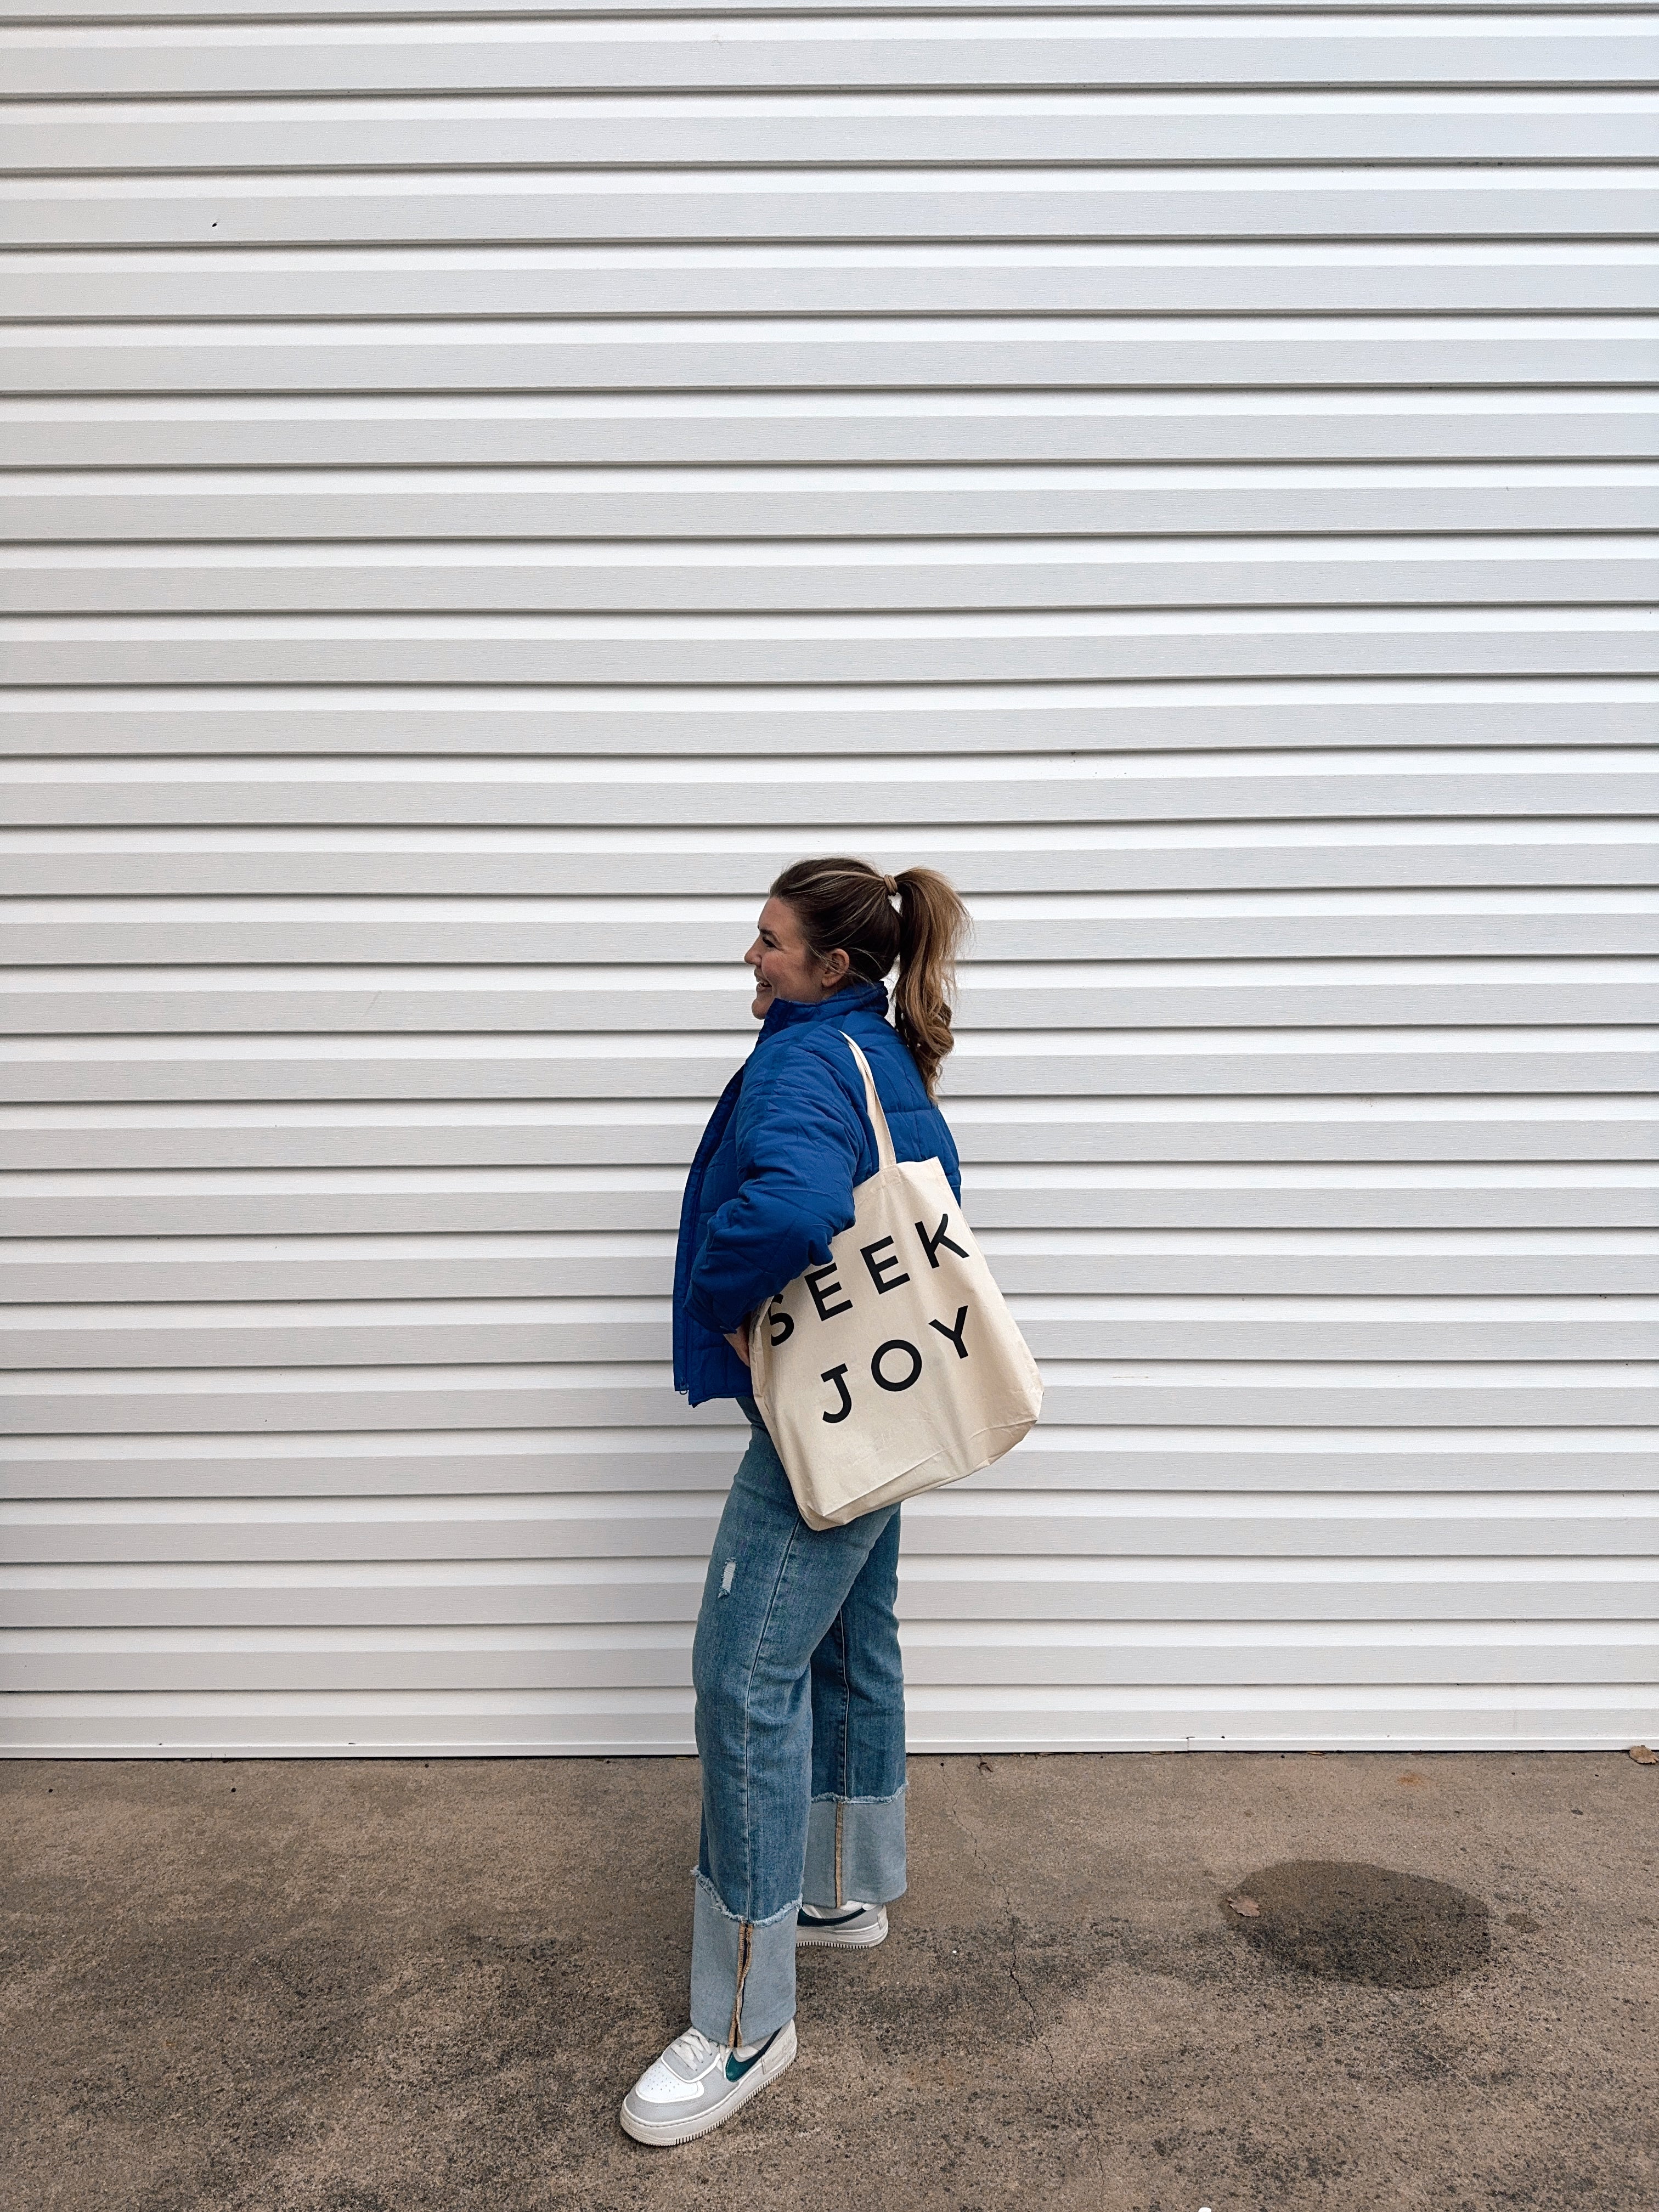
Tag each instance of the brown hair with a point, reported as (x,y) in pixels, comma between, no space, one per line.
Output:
(847,906)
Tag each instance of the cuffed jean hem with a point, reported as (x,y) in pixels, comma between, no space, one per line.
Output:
(743,1971)
(854,1848)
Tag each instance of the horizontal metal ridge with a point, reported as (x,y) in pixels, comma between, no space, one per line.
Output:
(402,429)
(368,15)
(44,1663)
(357,1134)
(719,512)
(1250,204)
(853,724)
(414,1332)
(785,134)
(196,59)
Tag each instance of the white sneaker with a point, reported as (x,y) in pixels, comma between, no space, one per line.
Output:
(848,1927)
(696,2084)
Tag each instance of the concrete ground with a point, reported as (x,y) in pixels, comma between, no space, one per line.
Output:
(385,1987)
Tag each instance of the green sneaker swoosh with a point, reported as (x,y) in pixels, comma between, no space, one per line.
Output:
(736,2068)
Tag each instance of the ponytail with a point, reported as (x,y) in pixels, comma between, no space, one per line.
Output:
(847,906)
(933,923)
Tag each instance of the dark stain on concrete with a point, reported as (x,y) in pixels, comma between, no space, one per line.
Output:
(1349,1922)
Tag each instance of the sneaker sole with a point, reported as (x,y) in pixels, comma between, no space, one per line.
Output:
(808,1938)
(662,2134)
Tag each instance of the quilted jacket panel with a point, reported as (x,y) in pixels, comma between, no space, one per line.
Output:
(773,1176)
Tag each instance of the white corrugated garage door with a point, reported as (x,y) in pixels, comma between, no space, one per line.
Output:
(492,486)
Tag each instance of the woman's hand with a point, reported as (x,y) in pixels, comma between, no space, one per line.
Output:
(738,1341)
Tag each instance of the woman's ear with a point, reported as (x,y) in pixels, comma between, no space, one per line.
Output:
(837,967)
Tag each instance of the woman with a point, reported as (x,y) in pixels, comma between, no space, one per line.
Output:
(799,1687)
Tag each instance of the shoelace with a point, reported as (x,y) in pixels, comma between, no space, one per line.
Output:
(694,2047)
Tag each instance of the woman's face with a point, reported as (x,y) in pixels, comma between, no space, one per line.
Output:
(784,968)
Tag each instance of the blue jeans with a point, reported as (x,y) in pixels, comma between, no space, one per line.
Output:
(801,1729)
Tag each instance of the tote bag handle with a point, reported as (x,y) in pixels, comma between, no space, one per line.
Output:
(886,1156)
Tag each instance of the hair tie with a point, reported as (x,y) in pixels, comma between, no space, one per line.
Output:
(890,884)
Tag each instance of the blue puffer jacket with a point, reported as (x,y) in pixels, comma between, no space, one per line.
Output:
(773,1176)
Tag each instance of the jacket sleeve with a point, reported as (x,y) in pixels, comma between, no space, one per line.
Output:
(800,1140)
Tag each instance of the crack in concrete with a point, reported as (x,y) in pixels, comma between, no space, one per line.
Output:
(985,1868)
(1087,2126)
(1013,1962)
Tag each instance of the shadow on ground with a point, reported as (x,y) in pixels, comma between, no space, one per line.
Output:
(393,1987)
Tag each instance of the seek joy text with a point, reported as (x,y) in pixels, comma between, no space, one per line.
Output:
(896,1364)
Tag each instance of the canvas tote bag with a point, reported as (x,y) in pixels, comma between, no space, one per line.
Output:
(895,1366)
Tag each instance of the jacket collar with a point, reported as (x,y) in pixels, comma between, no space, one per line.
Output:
(857,998)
